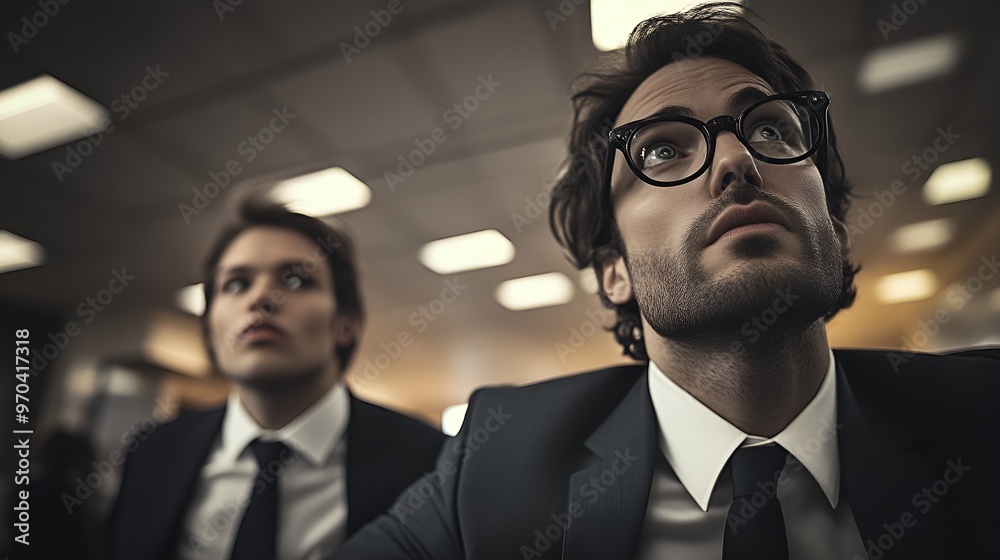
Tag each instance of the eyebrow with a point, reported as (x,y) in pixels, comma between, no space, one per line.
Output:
(671,111)
(240,269)
(747,96)
(741,99)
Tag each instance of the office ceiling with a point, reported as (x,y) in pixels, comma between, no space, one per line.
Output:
(222,78)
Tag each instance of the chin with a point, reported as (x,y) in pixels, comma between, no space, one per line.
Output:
(268,374)
(726,303)
(721,289)
(742,278)
(759,246)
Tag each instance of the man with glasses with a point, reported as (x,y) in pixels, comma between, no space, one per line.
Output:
(709,197)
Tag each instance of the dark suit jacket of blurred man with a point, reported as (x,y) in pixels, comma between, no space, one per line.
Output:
(386,451)
(525,456)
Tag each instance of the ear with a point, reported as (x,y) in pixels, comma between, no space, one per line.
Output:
(346,329)
(615,280)
(843,233)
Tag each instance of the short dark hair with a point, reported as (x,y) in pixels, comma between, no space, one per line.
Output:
(332,240)
(581,219)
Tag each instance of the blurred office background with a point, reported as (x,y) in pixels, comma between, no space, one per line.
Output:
(362,86)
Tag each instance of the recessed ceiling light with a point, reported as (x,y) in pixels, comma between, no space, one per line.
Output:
(958,180)
(611,21)
(481,249)
(530,292)
(906,286)
(923,236)
(326,192)
(908,63)
(452,418)
(43,113)
(192,299)
(17,252)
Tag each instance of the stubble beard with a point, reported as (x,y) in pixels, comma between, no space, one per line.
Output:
(680,300)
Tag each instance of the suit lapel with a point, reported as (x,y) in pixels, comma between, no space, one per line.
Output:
(608,496)
(881,476)
(178,462)
(365,467)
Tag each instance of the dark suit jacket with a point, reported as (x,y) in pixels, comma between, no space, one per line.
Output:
(386,451)
(579,452)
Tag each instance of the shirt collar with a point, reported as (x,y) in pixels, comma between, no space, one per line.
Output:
(312,434)
(697,442)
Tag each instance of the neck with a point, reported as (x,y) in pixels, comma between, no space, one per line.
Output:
(759,388)
(274,407)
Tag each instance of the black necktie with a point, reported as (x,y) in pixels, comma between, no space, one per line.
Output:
(257,538)
(755,528)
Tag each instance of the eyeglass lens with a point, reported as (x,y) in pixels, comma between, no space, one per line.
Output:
(675,150)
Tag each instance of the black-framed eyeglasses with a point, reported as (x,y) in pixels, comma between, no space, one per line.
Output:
(667,151)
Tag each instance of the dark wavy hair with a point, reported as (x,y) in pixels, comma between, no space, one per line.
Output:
(333,242)
(582,219)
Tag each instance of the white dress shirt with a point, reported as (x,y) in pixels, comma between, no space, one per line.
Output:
(313,489)
(692,489)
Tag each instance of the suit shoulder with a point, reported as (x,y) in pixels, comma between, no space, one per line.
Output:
(577,385)
(151,442)
(395,424)
(944,391)
(561,402)
(967,370)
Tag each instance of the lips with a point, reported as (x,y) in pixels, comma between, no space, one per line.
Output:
(262,331)
(746,214)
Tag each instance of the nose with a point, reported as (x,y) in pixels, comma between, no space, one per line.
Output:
(262,296)
(732,165)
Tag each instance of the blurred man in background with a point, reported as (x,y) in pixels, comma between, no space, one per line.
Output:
(293,463)
(707,193)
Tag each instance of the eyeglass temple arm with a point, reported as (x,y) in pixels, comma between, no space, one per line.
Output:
(609,161)
(823,161)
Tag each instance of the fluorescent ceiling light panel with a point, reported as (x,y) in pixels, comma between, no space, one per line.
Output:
(17,252)
(192,299)
(42,113)
(901,287)
(452,418)
(908,63)
(530,292)
(958,180)
(481,249)
(923,236)
(330,191)
(611,21)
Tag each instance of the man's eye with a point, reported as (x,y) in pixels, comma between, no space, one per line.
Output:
(298,281)
(766,132)
(657,154)
(234,285)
